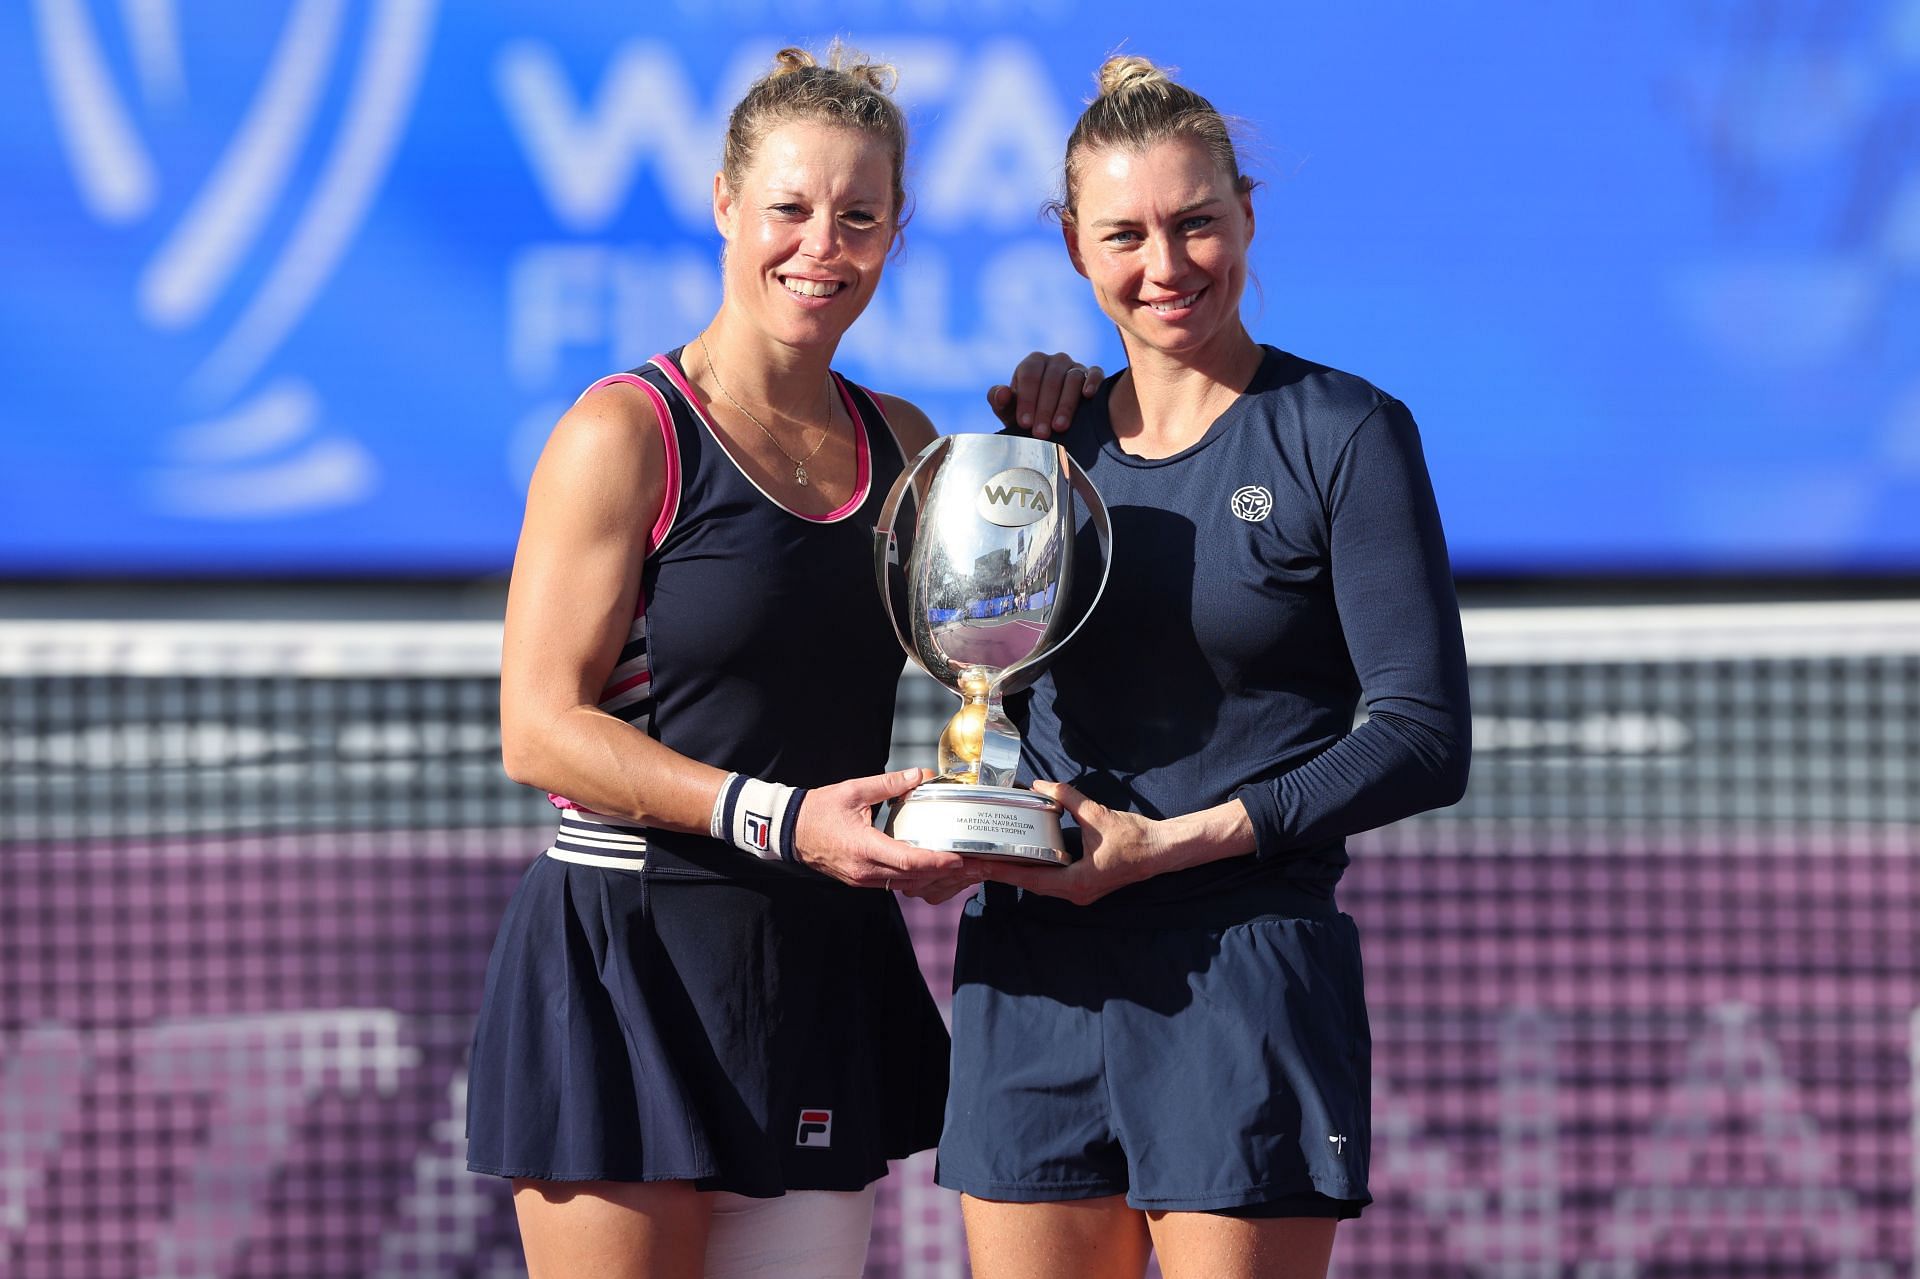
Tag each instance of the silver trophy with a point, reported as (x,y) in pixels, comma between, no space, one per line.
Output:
(976,559)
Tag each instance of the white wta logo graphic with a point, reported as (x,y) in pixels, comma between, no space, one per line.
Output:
(254,452)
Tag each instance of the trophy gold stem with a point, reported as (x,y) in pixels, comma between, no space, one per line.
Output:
(979,745)
(964,737)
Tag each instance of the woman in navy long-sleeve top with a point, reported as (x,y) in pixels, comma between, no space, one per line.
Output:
(1164,1046)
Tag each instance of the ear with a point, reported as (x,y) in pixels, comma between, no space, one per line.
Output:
(1246,207)
(723,203)
(1073,246)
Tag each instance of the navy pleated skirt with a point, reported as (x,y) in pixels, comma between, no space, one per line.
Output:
(756,1030)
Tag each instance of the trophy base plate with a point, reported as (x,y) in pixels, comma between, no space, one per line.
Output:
(1006,823)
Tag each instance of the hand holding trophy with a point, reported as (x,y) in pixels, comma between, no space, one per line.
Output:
(976,557)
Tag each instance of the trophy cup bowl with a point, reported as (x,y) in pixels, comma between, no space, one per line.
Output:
(976,551)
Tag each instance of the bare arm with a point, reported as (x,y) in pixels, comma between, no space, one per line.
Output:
(576,581)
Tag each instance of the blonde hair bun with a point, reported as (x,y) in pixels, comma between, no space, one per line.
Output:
(845,59)
(790,60)
(1124,72)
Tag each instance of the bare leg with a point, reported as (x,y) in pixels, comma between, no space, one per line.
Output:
(612,1229)
(1205,1245)
(1085,1238)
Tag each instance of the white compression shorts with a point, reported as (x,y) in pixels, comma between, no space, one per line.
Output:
(803,1234)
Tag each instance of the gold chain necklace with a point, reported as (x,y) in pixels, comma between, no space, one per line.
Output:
(799,463)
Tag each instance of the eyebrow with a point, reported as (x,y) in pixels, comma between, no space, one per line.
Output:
(797,195)
(1182,211)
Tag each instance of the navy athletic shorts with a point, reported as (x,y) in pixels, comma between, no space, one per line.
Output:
(1190,1064)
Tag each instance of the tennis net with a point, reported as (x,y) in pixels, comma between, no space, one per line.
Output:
(1643,1002)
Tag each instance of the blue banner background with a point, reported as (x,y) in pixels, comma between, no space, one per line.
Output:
(299,288)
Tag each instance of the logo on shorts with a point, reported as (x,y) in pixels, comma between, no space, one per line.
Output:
(1339,1143)
(757,824)
(1252,503)
(816,1128)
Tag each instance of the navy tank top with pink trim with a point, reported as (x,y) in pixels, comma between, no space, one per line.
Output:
(760,644)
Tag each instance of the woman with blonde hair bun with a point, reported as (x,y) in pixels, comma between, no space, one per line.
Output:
(1163,1047)
(704,1032)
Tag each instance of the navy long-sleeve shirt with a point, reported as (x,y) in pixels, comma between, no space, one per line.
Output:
(1265,580)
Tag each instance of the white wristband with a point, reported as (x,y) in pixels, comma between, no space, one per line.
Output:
(757,817)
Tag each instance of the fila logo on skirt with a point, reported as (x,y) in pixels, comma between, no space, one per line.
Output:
(816,1128)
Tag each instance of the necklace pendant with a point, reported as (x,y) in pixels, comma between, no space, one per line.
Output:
(800,474)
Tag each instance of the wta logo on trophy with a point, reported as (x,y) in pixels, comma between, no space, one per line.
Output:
(1014,498)
(243,254)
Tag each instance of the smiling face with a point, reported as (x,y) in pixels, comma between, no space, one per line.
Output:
(808,230)
(1162,235)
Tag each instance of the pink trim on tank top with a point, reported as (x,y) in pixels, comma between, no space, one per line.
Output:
(861,470)
(670,504)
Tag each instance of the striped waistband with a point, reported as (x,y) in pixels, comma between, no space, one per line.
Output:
(594,839)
